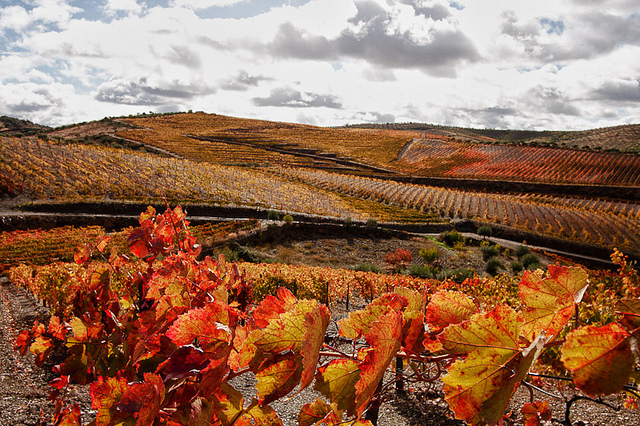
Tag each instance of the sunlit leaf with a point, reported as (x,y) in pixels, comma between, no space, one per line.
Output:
(550,302)
(449,307)
(337,381)
(478,388)
(599,358)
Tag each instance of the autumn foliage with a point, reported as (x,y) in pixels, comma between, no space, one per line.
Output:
(163,346)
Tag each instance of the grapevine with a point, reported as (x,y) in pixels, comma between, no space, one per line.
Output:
(163,345)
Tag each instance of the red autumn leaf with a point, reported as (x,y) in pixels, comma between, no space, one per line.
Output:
(550,302)
(102,243)
(271,307)
(279,378)
(60,382)
(384,338)
(106,392)
(70,416)
(23,341)
(449,307)
(82,255)
(186,361)
(212,325)
(359,322)
(534,412)
(57,329)
(143,400)
(600,358)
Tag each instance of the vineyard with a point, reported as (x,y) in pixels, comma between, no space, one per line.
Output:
(508,162)
(46,170)
(161,336)
(600,222)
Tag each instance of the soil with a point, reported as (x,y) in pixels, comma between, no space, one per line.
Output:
(24,387)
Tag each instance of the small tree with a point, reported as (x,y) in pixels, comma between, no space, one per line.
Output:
(484,231)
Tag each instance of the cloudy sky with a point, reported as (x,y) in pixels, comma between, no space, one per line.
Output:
(544,64)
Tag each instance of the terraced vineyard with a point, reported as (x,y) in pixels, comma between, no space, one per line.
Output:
(52,171)
(601,222)
(508,162)
(372,147)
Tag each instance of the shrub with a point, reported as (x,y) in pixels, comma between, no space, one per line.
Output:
(420,271)
(273,215)
(450,238)
(398,259)
(517,267)
(429,255)
(372,223)
(489,252)
(348,223)
(484,231)
(492,267)
(521,251)
(367,267)
(530,261)
(288,218)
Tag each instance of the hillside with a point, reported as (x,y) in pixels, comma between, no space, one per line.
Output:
(10,126)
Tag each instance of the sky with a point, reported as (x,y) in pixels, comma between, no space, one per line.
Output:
(544,64)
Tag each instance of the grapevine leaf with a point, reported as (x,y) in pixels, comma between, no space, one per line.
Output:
(449,307)
(599,358)
(228,410)
(82,254)
(300,330)
(210,325)
(69,416)
(201,412)
(358,323)
(271,307)
(41,347)
(105,394)
(23,341)
(57,329)
(630,311)
(478,387)
(384,337)
(186,361)
(534,412)
(316,413)
(413,332)
(550,302)
(278,379)
(337,381)
(416,300)
(143,399)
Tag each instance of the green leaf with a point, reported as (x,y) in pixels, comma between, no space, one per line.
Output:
(599,358)
(550,302)
(478,388)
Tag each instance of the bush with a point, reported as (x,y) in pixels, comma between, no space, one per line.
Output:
(421,271)
(450,238)
(367,267)
(521,251)
(372,223)
(273,215)
(492,267)
(530,261)
(489,252)
(288,218)
(517,267)
(429,255)
(398,259)
(484,231)
(348,223)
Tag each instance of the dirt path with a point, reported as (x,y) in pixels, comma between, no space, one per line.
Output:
(23,386)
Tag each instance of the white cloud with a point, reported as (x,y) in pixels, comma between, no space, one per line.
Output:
(496,63)
(129,6)
(204,4)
